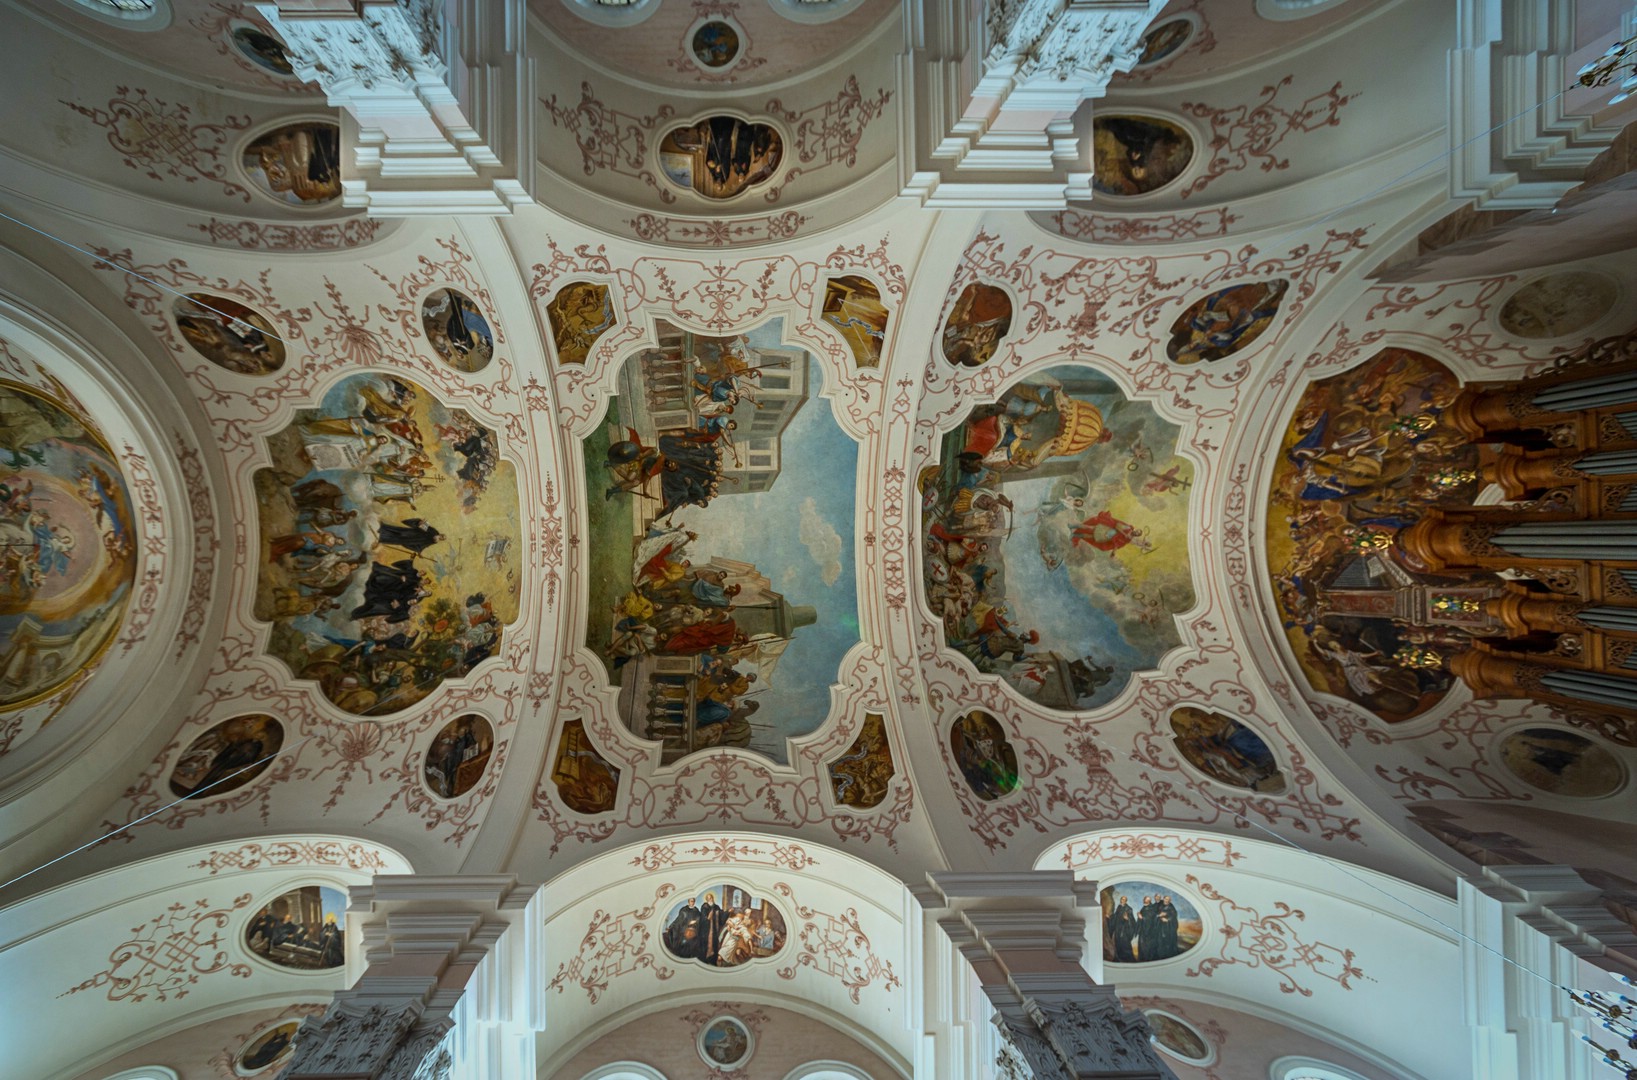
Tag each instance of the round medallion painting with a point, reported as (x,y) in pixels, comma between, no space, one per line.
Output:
(1134,155)
(228,334)
(457,758)
(1176,1037)
(220,760)
(263,49)
(305,929)
(984,756)
(1558,305)
(1562,763)
(458,330)
(715,44)
(982,315)
(726,1042)
(1144,922)
(1163,41)
(272,1047)
(298,164)
(67,545)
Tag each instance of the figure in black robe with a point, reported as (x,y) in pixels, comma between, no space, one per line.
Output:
(1147,941)
(413,535)
(685,937)
(1166,930)
(230,759)
(713,918)
(390,591)
(267,1052)
(331,946)
(1122,929)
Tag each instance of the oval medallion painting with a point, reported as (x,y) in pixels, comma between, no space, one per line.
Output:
(298,164)
(1134,155)
(983,755)
(715,44)
(458,756)
(272,1047)
(726,1042)
(1224,322)
(720,156)
(228,334)
(1176,1037)
(67,545)
(457,330)
(305,929)
(723,926)
(1226,750)
(1558,305)
(220,760)
(982,315)
(1163,41)
(263,49)
(1562,763)
(1145,922)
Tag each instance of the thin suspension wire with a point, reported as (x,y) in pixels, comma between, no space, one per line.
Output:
(155,813)
(1337,865)
(140,277)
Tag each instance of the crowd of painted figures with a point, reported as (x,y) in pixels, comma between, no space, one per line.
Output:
(1150,933)
(723,936)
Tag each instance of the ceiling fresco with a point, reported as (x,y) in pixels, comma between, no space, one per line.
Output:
(723,546)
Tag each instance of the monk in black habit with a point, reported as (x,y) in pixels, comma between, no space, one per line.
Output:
(391,591)
(413,535)
(1122,929)
(685,937)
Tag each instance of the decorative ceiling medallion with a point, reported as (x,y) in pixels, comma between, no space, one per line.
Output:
(459,332)
(1178,1038)
(1137,155)
(1558,305)
(1145,923)
(1365,454)
(67,545)
(861,776)
(984,755)
(229,334)
(1056,538)
(272,1047)
(388,523)
(714,44)
(981,317)
(721,588)
(1226,750)
(580,313)
(459,755)
(726,1043)
(723,926)
(852,304)
(227,757)
(1216,326)
(1562,762)
(297,164)
(263,48)
(304,929)
(586,781)
(1164,41)
(721,156)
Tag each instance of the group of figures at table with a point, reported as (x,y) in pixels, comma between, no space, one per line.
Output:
(724,936)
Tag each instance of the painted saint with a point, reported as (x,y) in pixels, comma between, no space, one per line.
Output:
(228,334)
(1144,922)
(458,330)
(263,49)
(981,317)
(1365,454)
(1558,305)
(1562,763)
(725,1042)
(272,1047)
(459,755)
(388,525)
(580,313)
(715,44)
(860,777)
(298,164)
(228,756)
(304,929)
(1055,538)
(720,156)
(586,781)
(1228,320)
(1174,1035)
(1163,41)
(722,592)
(1226,750)
(852,304)
(983,755)
(68,545)
(1135,155)
(723,926)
